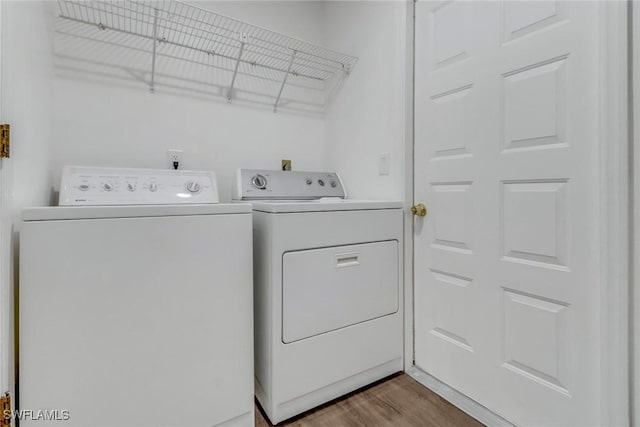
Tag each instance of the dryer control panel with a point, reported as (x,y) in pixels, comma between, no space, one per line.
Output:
(94,186)
(257,184)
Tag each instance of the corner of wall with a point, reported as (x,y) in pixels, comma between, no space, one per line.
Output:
(367,119)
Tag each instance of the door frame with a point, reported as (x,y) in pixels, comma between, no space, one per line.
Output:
(614,215)
(6,301)
(615,150)
(409,329)
(635,246)
(8,264)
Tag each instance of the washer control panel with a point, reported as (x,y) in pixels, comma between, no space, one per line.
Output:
(112,186)
(255,184)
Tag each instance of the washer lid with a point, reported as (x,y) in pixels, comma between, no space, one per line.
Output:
(103,212)
(322,205)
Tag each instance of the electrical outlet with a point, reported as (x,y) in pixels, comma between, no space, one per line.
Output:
(383,164)
(174,157)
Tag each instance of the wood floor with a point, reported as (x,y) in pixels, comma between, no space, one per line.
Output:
(398,401)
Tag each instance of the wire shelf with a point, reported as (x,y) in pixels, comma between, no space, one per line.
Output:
(252,50)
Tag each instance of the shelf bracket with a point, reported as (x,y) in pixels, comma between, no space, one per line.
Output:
(152,87)
(284,81)
(235,73)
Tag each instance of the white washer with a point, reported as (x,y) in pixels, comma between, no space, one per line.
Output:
(136,308)
(327,289)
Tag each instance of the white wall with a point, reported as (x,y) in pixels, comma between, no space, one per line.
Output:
(27,99)
(25,103)
(105,118)
(367,118)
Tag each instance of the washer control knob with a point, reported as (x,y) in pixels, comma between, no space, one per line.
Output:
(193,187)
(309,181)
(107,186)
(131,186)
(83,187)
(321,182)
(334,184)
(259,181)
(153,187)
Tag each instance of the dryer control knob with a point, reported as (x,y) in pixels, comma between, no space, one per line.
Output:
(153,187)
(107,186)
(259,181)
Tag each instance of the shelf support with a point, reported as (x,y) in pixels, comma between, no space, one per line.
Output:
(235,73)
(284,81)
(152,88)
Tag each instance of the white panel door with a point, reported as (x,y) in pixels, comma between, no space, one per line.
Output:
(506,266)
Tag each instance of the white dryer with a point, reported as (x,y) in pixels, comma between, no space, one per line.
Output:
(136,303)
(327,289)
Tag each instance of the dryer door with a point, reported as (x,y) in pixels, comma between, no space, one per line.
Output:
(331,288)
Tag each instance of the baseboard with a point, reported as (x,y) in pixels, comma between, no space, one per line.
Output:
(462,402)
(298,405)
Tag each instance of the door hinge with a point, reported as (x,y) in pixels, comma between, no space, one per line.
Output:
(5,141)
(5,407)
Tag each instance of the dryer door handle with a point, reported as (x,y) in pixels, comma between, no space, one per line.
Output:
(348,259)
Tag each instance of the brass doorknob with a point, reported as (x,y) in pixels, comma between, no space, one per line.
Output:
(419,210)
